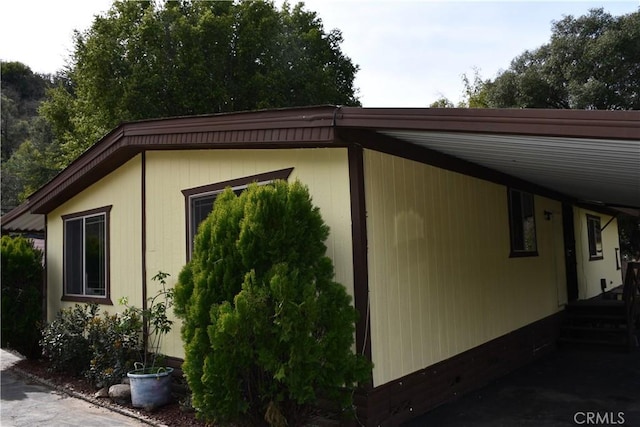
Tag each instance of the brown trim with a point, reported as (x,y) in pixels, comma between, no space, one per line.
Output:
(220,186)
(87,300)
(246,180)
(312,127)
(45,273)
(539,122)
(143,231)
(90,212)
(360,261)
(106,210)
(412,395)
(285,128)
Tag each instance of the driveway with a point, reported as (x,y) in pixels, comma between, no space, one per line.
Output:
(566,388)
(26,403)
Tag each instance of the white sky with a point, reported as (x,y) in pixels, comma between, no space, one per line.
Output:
(410,53)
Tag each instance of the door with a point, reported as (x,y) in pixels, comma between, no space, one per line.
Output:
(570,259)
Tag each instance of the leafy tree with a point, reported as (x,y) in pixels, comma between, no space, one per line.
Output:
(22,92)
(442,102)
(266,330)
(29,151)
(21,295)
(145,60)
(591,62)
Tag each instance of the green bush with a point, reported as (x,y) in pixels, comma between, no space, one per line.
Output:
(64,341)
(21,295)
(266,330)
(114,344)
(102,348)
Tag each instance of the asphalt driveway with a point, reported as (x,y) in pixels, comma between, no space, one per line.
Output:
(567,388)
(26,403)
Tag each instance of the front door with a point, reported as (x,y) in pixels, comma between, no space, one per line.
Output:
(570,252)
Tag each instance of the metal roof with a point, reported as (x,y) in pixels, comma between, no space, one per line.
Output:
(598,171)
(586,156)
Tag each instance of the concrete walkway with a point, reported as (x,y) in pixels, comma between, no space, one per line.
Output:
(27,403)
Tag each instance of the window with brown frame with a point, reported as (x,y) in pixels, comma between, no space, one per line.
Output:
(522,224)
(86,256)
(199,201)
(594,234)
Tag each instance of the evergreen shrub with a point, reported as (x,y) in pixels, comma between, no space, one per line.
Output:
(21,295)
(266,330)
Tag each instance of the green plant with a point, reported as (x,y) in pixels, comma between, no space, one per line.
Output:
(81,342)
(266,330)
(64,340)
(21,295)
(114,342)
(155,323)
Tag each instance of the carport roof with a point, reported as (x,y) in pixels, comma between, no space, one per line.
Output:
(587,156)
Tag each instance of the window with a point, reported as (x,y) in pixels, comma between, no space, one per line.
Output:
(594,233)
(86,255)
(522,224)
(199,200)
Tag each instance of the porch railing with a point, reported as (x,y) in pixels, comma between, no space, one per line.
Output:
(631,297)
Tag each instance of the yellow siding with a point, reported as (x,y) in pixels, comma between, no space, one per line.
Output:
(324,171)
(440,277)
(121,189)
(590,272)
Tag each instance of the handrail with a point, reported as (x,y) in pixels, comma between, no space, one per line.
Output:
(631,297)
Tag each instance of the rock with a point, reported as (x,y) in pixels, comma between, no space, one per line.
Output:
(120,392)
(125,380)
(103,392)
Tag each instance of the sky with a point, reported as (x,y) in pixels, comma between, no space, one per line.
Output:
(410,52)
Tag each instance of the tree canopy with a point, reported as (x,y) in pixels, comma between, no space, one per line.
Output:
(591,62)
(146,60)
(28,152)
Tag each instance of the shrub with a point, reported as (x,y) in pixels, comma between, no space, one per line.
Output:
(102,348)
(114,344)
(266,330)
(64,340)
(21,295)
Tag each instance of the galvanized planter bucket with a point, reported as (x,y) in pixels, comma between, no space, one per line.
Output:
(150,391)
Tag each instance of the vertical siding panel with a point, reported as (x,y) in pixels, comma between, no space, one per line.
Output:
(441,280)
(124,229)
(324,171)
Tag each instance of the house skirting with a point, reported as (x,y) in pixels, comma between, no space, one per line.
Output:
(412,395)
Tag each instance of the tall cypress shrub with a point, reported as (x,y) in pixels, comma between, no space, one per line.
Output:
(21,295)
(266,329)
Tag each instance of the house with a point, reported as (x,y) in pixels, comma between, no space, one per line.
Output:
(460,233)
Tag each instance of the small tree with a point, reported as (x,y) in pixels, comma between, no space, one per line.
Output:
(21,295)
(266,329)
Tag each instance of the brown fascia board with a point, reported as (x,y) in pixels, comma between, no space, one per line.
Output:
(303,127)
(595,124)
(313,127)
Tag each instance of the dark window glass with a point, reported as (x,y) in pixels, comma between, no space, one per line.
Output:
(522,223)
(73,244)
(85,255)
(594,232)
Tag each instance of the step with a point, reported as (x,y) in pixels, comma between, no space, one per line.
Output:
(613,343)
(596,316)
(620,328)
